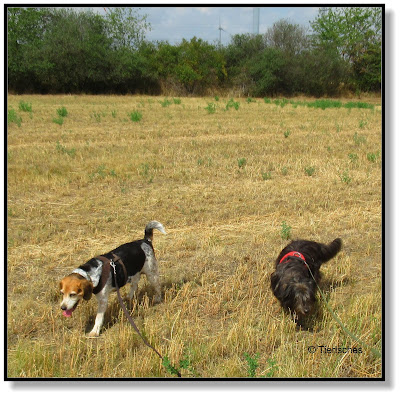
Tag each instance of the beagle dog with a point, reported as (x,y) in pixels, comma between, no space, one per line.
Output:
(130,259)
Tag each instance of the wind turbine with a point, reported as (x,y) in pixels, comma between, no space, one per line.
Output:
(220,29)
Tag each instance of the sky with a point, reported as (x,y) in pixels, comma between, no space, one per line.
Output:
(172,24)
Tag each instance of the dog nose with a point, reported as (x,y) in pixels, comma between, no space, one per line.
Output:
(63,307)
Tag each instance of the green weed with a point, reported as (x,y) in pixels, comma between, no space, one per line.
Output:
(362,124)
(252,364)
(135,116)
(13,117)
(231,103)
(359,139)
(62,112)
(62,149)
(285,231)
(284,170)
(241,162)
(266,175)
(309,170)
(25,106)
(58,120)
(101,173)
(271,369)
(353,157)
(373,157)
(286,133)
(165,102)
(358,105)
(345,178)
(211,108)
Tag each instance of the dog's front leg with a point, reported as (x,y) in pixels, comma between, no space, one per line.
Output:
(102,300)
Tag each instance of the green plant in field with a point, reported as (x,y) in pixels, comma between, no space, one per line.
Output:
(177,101)
(231,103)
(211,108)
(284,170)
(272,368)
(204,162)
(144,171)
(285,230)
(58,120)
(252,364)
(358,105)
(286,133)
(135,116)
(345,178)
(362,124)
(62,149)
(25,106)
(266,175)
(241,162)
(359,139)
(373,157)
(114,114)
(169,367)
(309,170)
(353,157)
(184,364)
(165,102)
(250,100)
(13,117)
(101,173)
(62,112)
(216,98)
(325,104)
(267,100)
(284,102)
(96,116)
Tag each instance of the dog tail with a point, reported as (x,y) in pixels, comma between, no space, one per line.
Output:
(153,225)
(330,251)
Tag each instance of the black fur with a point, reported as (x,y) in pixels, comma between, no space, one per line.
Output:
(292,283)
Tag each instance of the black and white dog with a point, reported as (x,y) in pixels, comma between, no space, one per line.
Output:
(95,277)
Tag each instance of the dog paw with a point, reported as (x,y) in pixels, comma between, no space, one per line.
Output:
(92,334)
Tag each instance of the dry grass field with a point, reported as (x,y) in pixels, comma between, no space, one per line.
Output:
(230,186)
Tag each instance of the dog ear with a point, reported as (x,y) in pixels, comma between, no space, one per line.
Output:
(87,289)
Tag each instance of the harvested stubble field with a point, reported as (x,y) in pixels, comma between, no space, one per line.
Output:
(86,173)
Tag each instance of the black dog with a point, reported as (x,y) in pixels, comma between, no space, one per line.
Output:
(292,283)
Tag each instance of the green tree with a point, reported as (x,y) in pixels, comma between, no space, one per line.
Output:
(26,27)
(290,38)
(126,26)
(356,34)
(192,66)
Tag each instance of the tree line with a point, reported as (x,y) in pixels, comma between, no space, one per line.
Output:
(61,50)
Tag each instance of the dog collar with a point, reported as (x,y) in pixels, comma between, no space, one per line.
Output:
(83,273)
(293,254)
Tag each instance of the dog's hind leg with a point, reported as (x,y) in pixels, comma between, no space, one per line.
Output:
(154,279)
(134,281)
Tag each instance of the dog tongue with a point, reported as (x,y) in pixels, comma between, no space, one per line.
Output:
(67,313)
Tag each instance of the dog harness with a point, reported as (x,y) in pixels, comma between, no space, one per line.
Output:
(121,276)
(293,254)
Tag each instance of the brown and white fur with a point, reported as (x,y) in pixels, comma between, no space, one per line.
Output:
(138,258)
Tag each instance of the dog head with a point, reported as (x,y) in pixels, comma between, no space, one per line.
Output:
(74,288)
(294,289)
